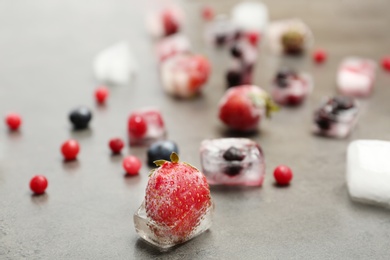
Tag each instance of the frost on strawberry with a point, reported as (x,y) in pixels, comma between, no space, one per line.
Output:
(177,204)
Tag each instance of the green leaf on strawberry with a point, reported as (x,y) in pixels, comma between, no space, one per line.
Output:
(159,162)
(263,100)
(174,157)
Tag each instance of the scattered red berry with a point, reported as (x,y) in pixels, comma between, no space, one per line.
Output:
(177,196)
(38,184)
(13,121)
(169,21)
(116,145)
(386,63)
(70,149)
(319,56)
(208,13)
(101,94)
(253,37)
(137,125)
(131,164)
(283,175)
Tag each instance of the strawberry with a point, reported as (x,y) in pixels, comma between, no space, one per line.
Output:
(177,197)
(243,107)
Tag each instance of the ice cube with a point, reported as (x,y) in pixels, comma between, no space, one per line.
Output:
(184,75)
(221,31)
(161,236)
(165,21)
(291,88)
(115,65)
(251,16)
(146,126)
(368,171)
(172,45)
(336,117)
(289,36)
(356,77)
(232,161)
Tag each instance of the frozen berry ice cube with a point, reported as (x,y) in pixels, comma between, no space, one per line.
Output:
(232,161)
(165,21)
(356,77)
(184,75)
(221,32)
(145,126)
(291,88)
(172,45)
(336,117)
(368,171)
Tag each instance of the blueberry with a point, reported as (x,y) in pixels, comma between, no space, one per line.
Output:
(324,119)
(233,154)
(220,40)
(233,78)
(342,102)
(80,117)
(236,52)
(233,169)
(161,150)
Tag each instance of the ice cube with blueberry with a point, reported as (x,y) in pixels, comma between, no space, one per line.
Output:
(145,126)
(232,161)
(243,56)
(171,45)
(356,77)
(184,74)
(337,117)
(368,171)
(290,87)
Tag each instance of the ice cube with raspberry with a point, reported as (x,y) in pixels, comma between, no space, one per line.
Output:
(336,117)
(243,107)
(145,126)
(165,21)
(184,75)
(172,45)
(291,88)
(177,205)
(232,161)
(356,77)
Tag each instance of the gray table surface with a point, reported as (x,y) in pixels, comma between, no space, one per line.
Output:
(46,50)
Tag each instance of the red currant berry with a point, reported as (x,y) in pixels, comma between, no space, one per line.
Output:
(13,121)
(319,55)
(208,13)
(38,184)
(132,165)
(253,38)
(170,24)
(116,145)
(137,126)
(70,149)
(101,94)
(386,63)
(283,175)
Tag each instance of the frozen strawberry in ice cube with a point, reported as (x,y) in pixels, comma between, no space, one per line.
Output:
(172,45)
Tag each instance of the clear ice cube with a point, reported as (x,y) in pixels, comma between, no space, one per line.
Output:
(291,88)
(232,161)
(251,16)
(161,236)
(368,171)
(115,65)
(172,45)
(336,117)
(155,128)
(184,75)
(356,77)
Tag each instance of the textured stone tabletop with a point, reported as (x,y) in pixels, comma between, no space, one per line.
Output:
(46,52)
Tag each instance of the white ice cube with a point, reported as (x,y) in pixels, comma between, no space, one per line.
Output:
(368,171)
(250,15)
(115,64)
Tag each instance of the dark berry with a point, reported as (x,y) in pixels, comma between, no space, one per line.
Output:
(161,150)
(80,117)
(233,154)
(342,102)
(236,52)
(220,40)
(233,78)
(233,169)
(282,82)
